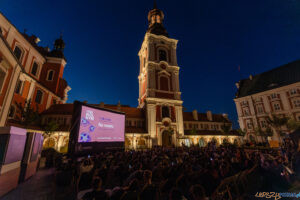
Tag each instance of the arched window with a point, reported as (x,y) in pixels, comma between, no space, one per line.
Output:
(18,53)
(164,83)
(12,111)
(50,75)
(165,111)
(162,55)
(38,97)
(19,87)
(34,68)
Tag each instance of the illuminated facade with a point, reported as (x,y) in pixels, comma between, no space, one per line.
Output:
(159,118)
(29,72)
(273,92)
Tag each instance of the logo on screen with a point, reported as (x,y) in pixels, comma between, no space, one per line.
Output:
(84,137)
(89,115)
(105,123)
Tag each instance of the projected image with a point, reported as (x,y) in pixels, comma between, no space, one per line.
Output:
(101,126)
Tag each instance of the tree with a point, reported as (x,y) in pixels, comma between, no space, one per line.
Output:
(225,128)
(292,125)
(259,132)
(28,115)
(49,129)
(277,122)
(242,132)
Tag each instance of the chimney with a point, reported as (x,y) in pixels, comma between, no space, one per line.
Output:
(101,105)
(209,115)
(195,115)
(237,85)
(85,102)
(225,115)
(251,77)
(47,49)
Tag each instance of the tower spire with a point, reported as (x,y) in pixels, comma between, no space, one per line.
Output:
(155,20)
(154,4)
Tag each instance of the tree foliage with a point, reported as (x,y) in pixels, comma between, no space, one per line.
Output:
(292,125)
(50,127)
(27,114)
(242,132)
(225,128)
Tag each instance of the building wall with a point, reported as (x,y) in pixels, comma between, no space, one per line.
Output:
(31,82)
(11,69)
(253,110)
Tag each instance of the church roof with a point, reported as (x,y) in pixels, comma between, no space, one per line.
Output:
(281,76)
(67,109)
(59,109)
(188,116)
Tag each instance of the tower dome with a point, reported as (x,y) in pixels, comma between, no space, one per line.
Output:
(59,44)
(155,20)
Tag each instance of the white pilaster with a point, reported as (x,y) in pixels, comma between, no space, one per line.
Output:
(29,96)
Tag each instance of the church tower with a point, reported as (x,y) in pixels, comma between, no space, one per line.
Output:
(159,92)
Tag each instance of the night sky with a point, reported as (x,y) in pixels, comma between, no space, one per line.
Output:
(215,37)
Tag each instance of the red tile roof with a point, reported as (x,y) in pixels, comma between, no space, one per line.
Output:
(59,109)
(67,109)
(188,116)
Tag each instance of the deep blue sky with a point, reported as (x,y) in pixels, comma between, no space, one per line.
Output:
(215,37)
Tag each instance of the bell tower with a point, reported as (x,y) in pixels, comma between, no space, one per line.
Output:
(159,91)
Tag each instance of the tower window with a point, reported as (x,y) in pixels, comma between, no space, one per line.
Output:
(18,53)
(164,83)
(38,97)
(165,111)
(50,75)
(34,68)
(162,55)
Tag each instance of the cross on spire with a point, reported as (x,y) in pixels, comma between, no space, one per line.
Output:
(154,4)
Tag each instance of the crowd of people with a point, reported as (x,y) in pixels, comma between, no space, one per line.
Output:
(184,173)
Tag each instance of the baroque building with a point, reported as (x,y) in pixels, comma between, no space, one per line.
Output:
(159,118)
(29,72)
(272,92)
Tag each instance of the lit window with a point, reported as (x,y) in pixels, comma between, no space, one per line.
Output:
(38,97)
(276,106)
(249,125)
(162,55)
(274,96)
(50,75)
(18,53)
(263,124)
(260,109)
(297,103)
(19,87)
(246,112)
(293,91)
